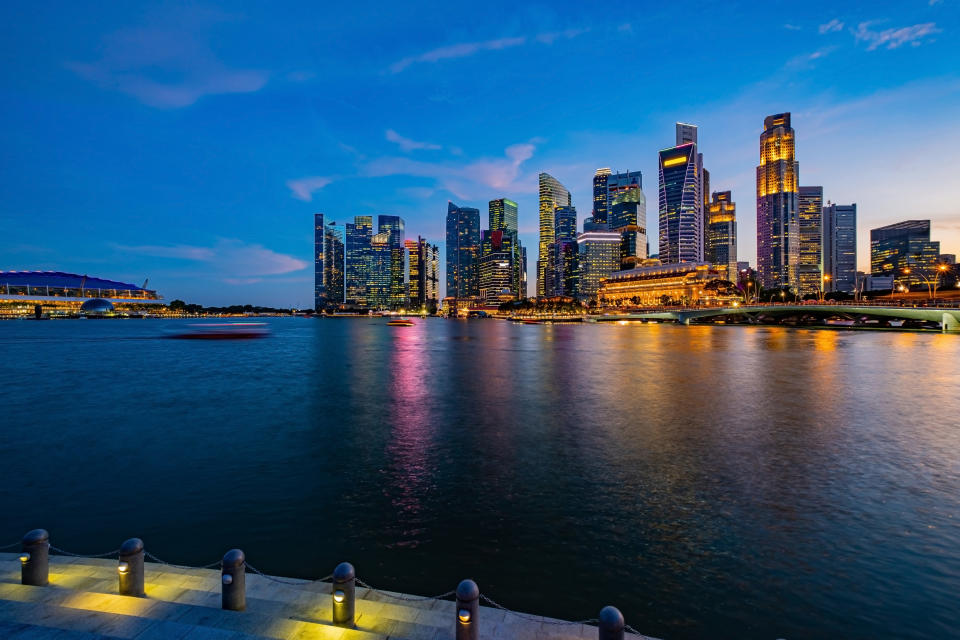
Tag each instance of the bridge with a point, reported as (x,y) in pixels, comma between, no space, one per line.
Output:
(860,315)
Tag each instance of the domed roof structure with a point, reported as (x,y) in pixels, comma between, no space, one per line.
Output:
(96,306)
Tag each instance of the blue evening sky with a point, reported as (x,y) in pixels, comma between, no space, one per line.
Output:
(192,142)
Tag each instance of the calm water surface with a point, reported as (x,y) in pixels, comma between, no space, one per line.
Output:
(722,482)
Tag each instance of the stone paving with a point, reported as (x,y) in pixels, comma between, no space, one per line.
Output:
(184,604)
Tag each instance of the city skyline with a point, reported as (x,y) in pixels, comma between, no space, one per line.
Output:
(223,159)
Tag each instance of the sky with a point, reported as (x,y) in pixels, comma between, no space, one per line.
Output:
(190,143)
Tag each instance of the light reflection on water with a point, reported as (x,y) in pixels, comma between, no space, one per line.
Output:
(723,481)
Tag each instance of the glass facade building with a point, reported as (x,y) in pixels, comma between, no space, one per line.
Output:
(423,265)
(394,226)
(812,230)
(333,263)
(503,215)
(378,291)
(839,245)
(599,257)
(628,217)
(778,228)
(722,232)
(563,272)
(681,204)
(463,252)
(898,249)
(601,203)
(499,272)
(319,290)
(357,249)
(552,195)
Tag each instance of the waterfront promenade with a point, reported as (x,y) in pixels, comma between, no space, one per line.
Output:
(81,602)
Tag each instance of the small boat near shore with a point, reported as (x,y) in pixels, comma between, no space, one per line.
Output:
(222,331)
(400,322)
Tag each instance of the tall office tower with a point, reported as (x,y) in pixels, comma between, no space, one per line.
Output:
(463,251)
(686,133)
(499,272)
(333,263)
(903,248)
(416,250)
(432,266)
(620,183)
(601,204)
(357,249)
(810,223)
(381,277)
(722,234)
(628,217)
(563,274)
(681,203)
(839,246)
(523,272)
(778,229)
(552,195)
(503,215)
(393,226)
(319,291)
(599,256)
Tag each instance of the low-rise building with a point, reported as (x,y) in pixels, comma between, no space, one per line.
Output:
(653,284)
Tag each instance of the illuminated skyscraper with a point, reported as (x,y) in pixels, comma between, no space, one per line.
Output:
(378,292)
(562,276)
(423,266)
(628,217)
(599,256)
(778,228)
(503,215)
(619,184)
(499,273)
(333,263)
(812,230)
(393,226)
(601,203)
(358,238)
(722,233)
(463,251)
(681,203)
(319,291)
(840,247)
(552,195)
(898,249)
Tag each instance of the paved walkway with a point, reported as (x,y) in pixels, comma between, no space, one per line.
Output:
(184,604)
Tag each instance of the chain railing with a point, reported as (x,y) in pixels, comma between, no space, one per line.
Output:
(64,552)
(535,618)
(180,566)
(293,582)
(402,597)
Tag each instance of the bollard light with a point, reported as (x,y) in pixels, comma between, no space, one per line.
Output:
(343,591)
(123,567)
(227,578)
(463,615)
(338,596)
(24,557)
(468,608)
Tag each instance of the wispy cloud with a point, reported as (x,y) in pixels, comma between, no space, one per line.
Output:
(469,180)
(830,27)
(409,145)
(806,59)
(896,37)
(304,188)
(792,27)
(230,258)
(165,67)
(465,49)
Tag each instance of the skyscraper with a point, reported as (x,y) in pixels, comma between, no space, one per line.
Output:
(812,231)
(319,291)
(423,266)
(722,233)
(778,229)
(552,195)
(839,247)
(563,274)
(628,217)
(333,263)
(601,204)
(381,277)
(902,248)
(463,251)
(599,256)
(681,200)
(499,273)
(503,215)
(618,184)
(357,249)
(393,226)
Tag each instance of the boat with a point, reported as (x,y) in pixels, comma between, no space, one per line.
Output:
(223,331)
(400,322)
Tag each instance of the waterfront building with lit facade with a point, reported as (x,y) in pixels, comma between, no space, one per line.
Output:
(628,217)
(328,262)
(357,259)
(562,273)
(599,257)
(463,252)
(503,215)
(654,284)
(722,232)
(552,195)
(811,228)
(778,229)
(601,205)
(394,227)
(681,200)
(840,247)
(423,266)
(60,293)
(619,185)
(378,286)
(499,268)
(903,250)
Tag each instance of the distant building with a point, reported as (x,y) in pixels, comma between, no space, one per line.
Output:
(463,251)
(619,185)
(628,217)
(840,247)
(328,262)
(319,283)
(499,268)
(778,230)
(57,293)
(357,258)
(722,232)
(902,248)
(423,270)
(601,203)
(378,290)
(562,275)
(681,200)
(812,231)
(552,195)
(656,284)
(393,226)
(503,215)
(599,256)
